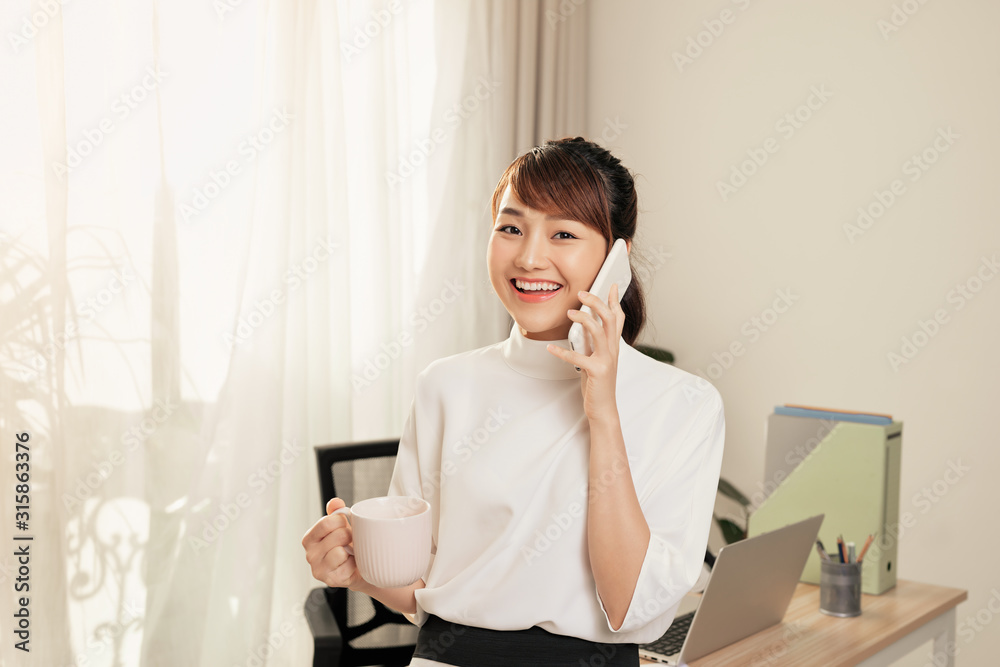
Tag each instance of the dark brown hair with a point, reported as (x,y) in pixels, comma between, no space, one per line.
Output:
(578,180)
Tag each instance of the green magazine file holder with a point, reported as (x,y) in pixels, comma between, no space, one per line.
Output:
(851,476)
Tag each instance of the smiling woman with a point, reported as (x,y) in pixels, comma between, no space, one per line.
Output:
(559,208)
(571,531)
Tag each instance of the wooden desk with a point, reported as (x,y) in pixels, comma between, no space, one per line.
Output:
(890,626)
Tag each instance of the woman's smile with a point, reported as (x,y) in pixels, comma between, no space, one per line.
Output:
(535,291)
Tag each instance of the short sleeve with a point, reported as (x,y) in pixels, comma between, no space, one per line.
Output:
(677,503)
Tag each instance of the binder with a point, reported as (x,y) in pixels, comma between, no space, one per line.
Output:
(837,415)
(847,471)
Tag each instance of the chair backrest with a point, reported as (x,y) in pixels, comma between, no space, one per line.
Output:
(373,633)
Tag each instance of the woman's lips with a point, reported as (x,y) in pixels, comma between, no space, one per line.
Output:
(534,297)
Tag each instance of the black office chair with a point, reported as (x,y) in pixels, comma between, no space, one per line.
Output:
(351,629)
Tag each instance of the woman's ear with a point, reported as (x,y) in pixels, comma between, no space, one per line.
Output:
(628,246)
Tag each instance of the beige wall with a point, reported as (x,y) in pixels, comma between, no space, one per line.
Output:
(855,293)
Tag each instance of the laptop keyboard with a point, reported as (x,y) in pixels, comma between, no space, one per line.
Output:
(673,639)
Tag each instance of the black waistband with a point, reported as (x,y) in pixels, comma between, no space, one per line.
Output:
(467,646)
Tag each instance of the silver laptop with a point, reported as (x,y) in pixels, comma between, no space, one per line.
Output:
(751,586)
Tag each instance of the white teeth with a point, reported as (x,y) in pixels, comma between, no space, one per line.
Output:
(530,287)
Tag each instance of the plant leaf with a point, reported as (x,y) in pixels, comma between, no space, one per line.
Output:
(657,353)
(731,532)
(730,491)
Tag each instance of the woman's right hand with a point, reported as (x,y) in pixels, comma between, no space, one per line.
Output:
(324,544)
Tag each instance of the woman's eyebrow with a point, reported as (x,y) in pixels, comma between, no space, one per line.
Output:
(517,213)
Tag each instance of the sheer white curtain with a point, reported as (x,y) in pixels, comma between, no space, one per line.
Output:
(232,231)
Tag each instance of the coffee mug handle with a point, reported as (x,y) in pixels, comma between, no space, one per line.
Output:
(346,511)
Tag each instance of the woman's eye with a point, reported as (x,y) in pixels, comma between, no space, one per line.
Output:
(511,229)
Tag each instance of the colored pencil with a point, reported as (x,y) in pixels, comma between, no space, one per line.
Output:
(868,543)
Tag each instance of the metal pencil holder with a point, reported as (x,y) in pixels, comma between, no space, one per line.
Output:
(840,588)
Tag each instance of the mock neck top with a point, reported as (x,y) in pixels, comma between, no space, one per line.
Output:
(498,443)
(530,357)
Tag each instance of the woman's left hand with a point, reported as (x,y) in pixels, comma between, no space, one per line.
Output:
(599,370)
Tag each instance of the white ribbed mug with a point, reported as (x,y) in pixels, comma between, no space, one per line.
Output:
(392,539)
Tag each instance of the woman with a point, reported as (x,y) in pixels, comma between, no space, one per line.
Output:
(571,509)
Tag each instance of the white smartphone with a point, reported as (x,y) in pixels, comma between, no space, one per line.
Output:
(616,269)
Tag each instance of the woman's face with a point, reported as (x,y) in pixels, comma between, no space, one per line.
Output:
(529,249)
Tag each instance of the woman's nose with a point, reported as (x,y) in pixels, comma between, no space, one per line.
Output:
(532,254)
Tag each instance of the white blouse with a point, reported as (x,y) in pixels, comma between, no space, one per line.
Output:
(497,442)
